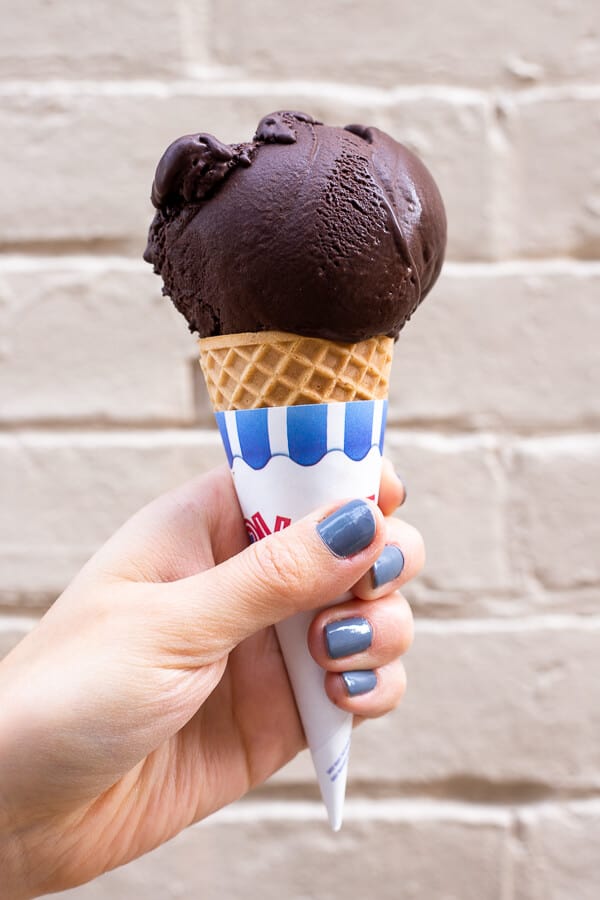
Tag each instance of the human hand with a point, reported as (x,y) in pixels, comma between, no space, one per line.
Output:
(153,692)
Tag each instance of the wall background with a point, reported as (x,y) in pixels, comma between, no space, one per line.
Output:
(486,782)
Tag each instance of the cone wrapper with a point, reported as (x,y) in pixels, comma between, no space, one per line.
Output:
(285,461)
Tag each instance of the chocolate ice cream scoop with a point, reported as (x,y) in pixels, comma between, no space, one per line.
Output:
(329,232)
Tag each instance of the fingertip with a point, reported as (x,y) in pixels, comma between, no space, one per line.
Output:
(404,490)
(388,566)
(392,491)
(351,528)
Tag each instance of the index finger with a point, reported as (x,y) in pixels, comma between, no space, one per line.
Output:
(392,492)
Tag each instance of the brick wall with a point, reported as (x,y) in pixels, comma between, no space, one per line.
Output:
(486,782)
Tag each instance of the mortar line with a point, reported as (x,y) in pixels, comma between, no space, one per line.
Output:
(215,83)
(16,261)
(398,810)
(427,626)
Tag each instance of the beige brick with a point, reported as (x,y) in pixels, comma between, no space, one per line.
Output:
(87,40)
(456,494)
(66,494)
(493,709)
(555,181)
(13,630)
(558,856)
(101,151)
(503,346)
(93,342)
(80,133)
(127,356)
(382,42)
(555,495)
(451,134)
(415,856)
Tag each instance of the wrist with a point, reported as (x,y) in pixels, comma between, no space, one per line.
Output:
(19,857)
(13,869)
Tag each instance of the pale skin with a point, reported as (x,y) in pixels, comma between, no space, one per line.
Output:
(153,691)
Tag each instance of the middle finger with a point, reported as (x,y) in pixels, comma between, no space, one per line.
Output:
(402,559)
(361,634)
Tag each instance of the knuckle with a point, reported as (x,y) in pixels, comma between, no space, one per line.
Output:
(406,628)
(275,564)
(402,682)
(390,690)
(417,550)
(396,633)
(398,683)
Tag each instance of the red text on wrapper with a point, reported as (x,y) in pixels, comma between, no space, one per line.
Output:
(257,528)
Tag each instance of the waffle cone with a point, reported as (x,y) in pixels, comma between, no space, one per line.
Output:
(253,370)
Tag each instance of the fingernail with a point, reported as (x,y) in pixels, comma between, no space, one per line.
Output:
(348,636)
(359,682)
(388,566)
(403,483)
(349,529)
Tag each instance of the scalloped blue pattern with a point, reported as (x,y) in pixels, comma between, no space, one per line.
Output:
(309,431)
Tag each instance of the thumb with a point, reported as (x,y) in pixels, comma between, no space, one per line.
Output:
(308,565)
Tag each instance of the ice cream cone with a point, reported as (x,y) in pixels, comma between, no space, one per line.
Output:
(254,370)
(353,253)
(302,422)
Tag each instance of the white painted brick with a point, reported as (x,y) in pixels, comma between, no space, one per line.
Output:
(121,132)
(91,39)
(456,493)
(64,496)
(558,856)
(126,356)
(121,135)
(381,42)
(66,493)
(300,858)
(555,496)
(12,630)
(488,704)
(102,154)
(555,179)
(503,346)
(92,342)
(452,137)
(527,597)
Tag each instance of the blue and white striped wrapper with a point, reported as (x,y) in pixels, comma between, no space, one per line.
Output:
(305,434)
(286,461)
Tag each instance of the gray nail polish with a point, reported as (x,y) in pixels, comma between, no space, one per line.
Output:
(388,566)
(349,529)
(359,682)
(348,636)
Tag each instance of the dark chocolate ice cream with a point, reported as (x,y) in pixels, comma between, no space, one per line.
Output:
(330,232)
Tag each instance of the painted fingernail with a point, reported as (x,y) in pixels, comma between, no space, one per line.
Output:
(359,682)
(388,566)
(349,529)
(348,636)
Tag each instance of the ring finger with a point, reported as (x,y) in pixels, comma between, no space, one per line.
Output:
(361,634)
